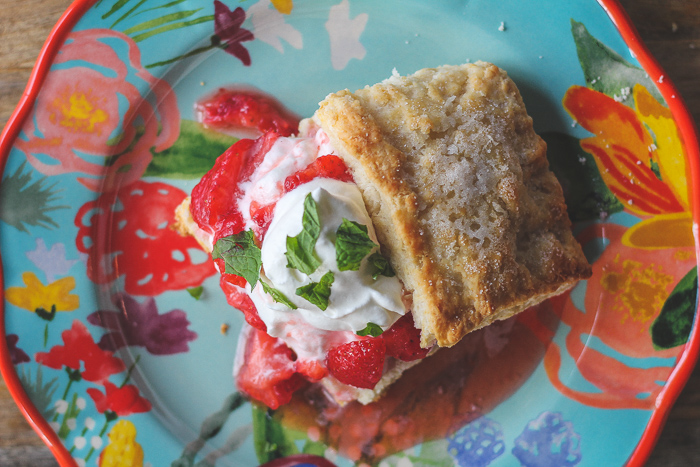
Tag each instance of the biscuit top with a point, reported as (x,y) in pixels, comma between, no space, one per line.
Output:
(459,190)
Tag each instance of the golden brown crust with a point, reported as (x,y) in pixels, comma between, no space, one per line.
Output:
(460,193)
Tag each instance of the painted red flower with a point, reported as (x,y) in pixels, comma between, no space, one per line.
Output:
(122,401)
(128,233)
(227,28)
(140,324)
(78,346)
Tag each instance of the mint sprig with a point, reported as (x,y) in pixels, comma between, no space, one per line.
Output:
(300,249)
(277,295)
(379,266)
(371,329)
(319,292)
(352,244)
(241,255)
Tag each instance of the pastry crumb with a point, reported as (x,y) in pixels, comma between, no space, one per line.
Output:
(224,329)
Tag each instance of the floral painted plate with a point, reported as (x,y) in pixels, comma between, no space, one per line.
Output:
(118,344)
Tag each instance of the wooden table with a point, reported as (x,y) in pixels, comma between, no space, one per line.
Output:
(671,30)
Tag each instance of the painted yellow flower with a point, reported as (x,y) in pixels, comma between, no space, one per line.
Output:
(37,296)
(283,6)
(122,450)
(640,155)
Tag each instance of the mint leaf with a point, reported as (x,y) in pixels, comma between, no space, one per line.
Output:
(196,292)
(319,292)
(241,255)
(371,329)
(300,249)
(352,243)
(277,296)
(379,266)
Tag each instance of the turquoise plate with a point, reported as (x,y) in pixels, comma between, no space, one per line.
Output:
(118,344)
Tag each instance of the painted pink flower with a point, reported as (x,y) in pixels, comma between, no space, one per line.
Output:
(228,30)
(139,324)
(93,105)
(79,347)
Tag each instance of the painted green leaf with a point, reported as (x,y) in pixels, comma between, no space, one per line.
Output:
(192,155)
(40,392)
(150,24)
(606,71)
(587,197)
(172,27)
(270,439)
(115,7)
(672,327)
(24,202)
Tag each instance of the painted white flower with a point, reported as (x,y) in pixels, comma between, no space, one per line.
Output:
(55,426)
(61,406)
(80,403)
(344,34)
(71,423)
(89,423)
(79,442)
(96,442)
(79,462)
(269,27)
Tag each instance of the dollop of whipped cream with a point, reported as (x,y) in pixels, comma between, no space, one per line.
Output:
(356,299)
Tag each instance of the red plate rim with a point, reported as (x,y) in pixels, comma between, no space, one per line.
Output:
(688,131)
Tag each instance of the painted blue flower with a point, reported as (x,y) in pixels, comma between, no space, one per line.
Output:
(548,441)
(477,444)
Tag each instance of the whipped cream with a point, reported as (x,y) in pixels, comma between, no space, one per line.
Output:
(356,298)
(286,157)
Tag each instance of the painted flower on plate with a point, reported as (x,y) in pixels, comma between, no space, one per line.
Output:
(122,450)
(119,400)
(641,158)
(44,300)
(79,347)
(17,355)
(93,106)
(139,324)
(141,245)
(228,30)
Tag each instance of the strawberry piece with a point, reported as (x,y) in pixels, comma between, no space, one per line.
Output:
(403,340)
(245,109)
(213,204)
(262,216)
(238,298)
(328,166)
(268,372)
(312,369)
(357,363)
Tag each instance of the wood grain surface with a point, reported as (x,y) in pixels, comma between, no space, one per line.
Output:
(670,29)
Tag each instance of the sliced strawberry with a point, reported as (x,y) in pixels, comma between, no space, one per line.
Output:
(328,166)
(262,216)
(238,298)
(312,369)
(357,363)
(246,109)
(268,372)
(213,204)
(403,340)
